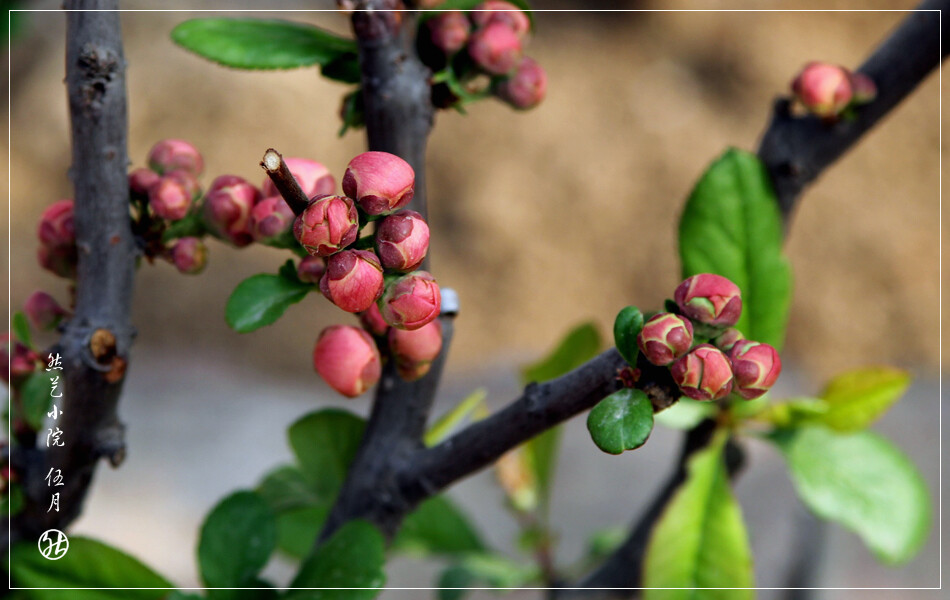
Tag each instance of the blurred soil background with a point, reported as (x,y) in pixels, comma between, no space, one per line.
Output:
(540,220)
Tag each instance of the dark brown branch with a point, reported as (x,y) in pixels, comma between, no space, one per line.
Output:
(278,171)
(95,345)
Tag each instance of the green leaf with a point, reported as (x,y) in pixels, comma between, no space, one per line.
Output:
(450,420)
(193,225)
(492,570)
(12,501)
(453,581)
(685,414)
(298,528)
(732,226)
(700,540)
(35,397)
(541,454)
(21,329)
(260,43)
(237,539)
(621,421)
(325,443)
(86,564)
(353,557)
(286,488)
(857,398)
(467,5)
(580,345)
(437,526)
(862,482)
(352,111)
(627,327)
(344,68)
(260,300)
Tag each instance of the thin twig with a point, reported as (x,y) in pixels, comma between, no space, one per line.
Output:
(285,182)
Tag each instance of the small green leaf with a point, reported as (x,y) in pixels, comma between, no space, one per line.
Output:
(12,501)
(192,225)
(621,421)
(325,443)
(450,420)
(437,526)
(732,226)
(700,540)
(21,329)
(352,111)
(862,482)
(493,570)
(453,582)
(344,68)
(35,397)
(857,398)
(260,300)
(288,271)
(286,488)
(685,414)
(298,528)
(627,327)
(352,558)
(86,564)
(580,345)
(260,43)
(237,539)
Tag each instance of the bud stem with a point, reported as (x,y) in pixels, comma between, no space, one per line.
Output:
(278,171)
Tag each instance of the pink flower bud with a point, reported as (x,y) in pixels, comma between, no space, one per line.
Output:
(496,48)
(411,301)
(728,338)
(59,260)
(373,322)
(415,350)
(187,181)
(270,218)
(311,269)
(756,368)
(43,311)
(353,280)
(379,182)
(347,359)
(402,241)
(142,179)
(703,374)
(168,155)
(449,31)
(863,87)
(710,299)
(498,11)
(22,360)
(328,225)
(189,255)
(526,87)
(824,89)
(227,208)
(314,178)
(665,337)
(169,199)
(56,227)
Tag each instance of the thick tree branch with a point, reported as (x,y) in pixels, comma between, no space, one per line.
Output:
(95,344)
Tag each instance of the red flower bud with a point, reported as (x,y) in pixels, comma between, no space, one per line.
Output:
(402,240)
(59,260)
(526,87)
(710,299)
(823,89)
(56,227)
(449,31)
(311,269)
(495,48)
(187,181)
(270,218)
(169,199)
(665,337)
(379,182)
(728,338)
(313,177)
(863,87)
(703,374)
(168,155)
(328,225)
(415,350)
(43,311)
(756,368)
(227,208)
(347,359)
(353,280)
(142,179)
(22,360)
(189,255)
(498,11)
(373,322)
(411,301)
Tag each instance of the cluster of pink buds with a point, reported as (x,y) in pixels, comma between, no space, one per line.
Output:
(828,90)
(22,360)
(709,371)
(376,276)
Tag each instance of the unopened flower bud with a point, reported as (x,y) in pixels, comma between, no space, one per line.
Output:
(665,337)
(270,218)
(168,155)
(373,322)
(415,350)
(756,367)
(311,269)
(703,374)
(824,89)
(227,208)
(347,359)
(710,299)
(353,280)
(498,11)
(402,240)
(727,339)
(141,179)
(187,180)
(59,260)
(43,311)
(449,31)
(380,182)
(495,48)
(313,177)
(189,255)
(328,225)
(56,227)
(21,359)
(169,199)
(863,87)
(411,301)
(526,87)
